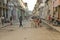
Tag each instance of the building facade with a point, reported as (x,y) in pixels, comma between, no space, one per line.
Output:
(15,8)
(36,8)
(48,9)
(57,9)
(3,8)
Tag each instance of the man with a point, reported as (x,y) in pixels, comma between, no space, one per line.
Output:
(2,20)
(20,21)
(11,20)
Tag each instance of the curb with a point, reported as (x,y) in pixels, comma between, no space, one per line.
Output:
(54,27)
(5,25)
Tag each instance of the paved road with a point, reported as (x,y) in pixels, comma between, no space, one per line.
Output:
(26,33)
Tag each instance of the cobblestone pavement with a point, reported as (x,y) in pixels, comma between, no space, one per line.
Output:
(27,33)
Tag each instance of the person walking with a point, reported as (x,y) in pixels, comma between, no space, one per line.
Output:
(2,20)
(11,20)
(20,21)
(49,18)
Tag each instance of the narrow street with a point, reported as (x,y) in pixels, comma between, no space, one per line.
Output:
(28,33)
(29,19)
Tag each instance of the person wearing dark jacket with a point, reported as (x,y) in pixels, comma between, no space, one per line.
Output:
(11,20)
(20,21)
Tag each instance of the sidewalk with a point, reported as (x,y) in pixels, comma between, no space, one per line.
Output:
(25,23)
(5,24)
(55,27)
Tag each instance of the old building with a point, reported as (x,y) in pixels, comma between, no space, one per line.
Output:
(25,9)
(17,8)
(48,9)
(56,9)
(13,8)
(53,8)
(36,8)
(3,8)
(42,10)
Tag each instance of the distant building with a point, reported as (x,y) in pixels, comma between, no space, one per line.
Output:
(36,8)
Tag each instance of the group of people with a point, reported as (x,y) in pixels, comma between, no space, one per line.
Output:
(54,20)
(36,22)
(11,20)
(3,20)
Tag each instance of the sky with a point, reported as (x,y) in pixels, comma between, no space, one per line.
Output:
(31,4)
